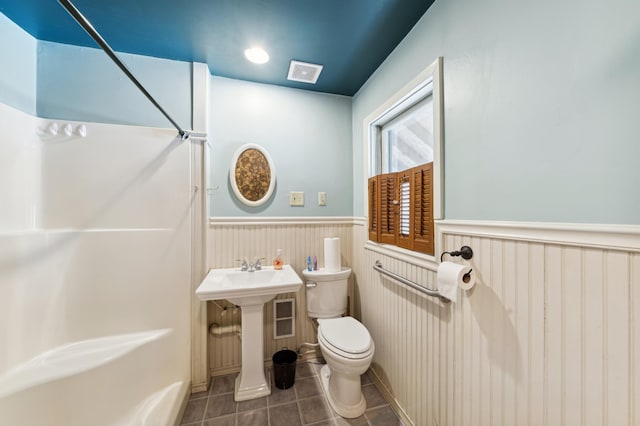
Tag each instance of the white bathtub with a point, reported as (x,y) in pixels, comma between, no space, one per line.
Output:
(92,328)
(113,380)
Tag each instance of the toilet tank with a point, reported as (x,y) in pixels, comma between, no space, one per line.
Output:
(326,292)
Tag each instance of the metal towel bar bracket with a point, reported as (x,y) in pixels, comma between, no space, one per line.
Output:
(428,291)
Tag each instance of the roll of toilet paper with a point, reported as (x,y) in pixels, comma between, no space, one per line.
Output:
(332,254)
(453,275)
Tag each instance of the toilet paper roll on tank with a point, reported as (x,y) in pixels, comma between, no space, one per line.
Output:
(332,262)
(452,275)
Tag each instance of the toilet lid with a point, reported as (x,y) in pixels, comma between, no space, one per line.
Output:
(346,334)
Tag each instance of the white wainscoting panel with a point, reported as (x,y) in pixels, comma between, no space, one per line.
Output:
(549,335)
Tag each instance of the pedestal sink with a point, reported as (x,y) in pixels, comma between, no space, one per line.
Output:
(250,291)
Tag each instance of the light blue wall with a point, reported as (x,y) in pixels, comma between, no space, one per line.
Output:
(83,84)
(307,135)
(17,67)
(541,107)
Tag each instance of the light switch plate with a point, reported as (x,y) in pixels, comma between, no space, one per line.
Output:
(322,198)
(296,198)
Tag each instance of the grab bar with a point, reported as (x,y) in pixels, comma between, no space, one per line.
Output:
(428,291)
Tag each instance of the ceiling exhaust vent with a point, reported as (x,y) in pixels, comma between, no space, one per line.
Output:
(304,72)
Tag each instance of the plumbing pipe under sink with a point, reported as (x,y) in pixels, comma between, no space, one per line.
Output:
(217,330)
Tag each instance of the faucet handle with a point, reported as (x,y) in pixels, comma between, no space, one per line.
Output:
(258,263)
(245,264)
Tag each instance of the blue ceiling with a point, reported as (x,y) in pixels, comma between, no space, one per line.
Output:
(351,38)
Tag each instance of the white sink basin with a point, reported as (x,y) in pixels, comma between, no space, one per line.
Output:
(248,288)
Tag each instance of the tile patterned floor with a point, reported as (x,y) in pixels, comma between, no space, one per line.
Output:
(302,404)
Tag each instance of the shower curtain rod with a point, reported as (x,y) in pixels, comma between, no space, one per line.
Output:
(84,23)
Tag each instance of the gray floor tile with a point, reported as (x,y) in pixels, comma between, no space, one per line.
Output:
(285,415)
(199,395)
(373,396)
(221,421)
(252,404)
(365,379)
(194,411)
(308,387)
(383,416)
(281,396)
(358,421)
(223,384)
(314,409)
(304,369)
(253,418)
(324,423)
(220,405)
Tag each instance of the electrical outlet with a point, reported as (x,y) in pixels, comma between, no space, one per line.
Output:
(296,198)
(322,198)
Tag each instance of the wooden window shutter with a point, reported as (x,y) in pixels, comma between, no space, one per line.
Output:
(423,232)
(405,212)
(387,208)
(373,208)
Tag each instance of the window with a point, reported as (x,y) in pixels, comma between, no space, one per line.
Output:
(407,141)
(404,165)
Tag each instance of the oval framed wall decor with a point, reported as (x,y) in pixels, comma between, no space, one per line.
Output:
(252,175)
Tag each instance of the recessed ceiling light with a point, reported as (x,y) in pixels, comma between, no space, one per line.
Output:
(257,55)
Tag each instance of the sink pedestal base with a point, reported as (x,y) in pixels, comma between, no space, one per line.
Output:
(252,382)
(245,392)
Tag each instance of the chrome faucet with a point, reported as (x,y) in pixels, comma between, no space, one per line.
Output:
(251,267)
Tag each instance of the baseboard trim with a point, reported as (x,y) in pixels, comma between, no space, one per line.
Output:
(199,388)
(215,372)
(388,396)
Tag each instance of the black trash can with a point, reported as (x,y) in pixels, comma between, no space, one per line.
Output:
(284,368)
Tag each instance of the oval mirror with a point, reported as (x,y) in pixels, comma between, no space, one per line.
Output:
(252,175)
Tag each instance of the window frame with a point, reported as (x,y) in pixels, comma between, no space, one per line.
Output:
(427,83)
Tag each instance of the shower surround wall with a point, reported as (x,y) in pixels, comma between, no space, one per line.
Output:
(94,273)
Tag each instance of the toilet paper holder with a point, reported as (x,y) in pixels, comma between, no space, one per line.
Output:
(465,252)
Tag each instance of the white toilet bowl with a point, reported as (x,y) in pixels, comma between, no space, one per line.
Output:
(348,349)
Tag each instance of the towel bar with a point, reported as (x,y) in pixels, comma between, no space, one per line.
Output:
(428,291)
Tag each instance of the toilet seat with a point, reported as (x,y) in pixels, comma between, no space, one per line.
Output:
(345,337)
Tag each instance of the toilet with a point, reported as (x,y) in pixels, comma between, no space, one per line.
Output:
(345,342)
